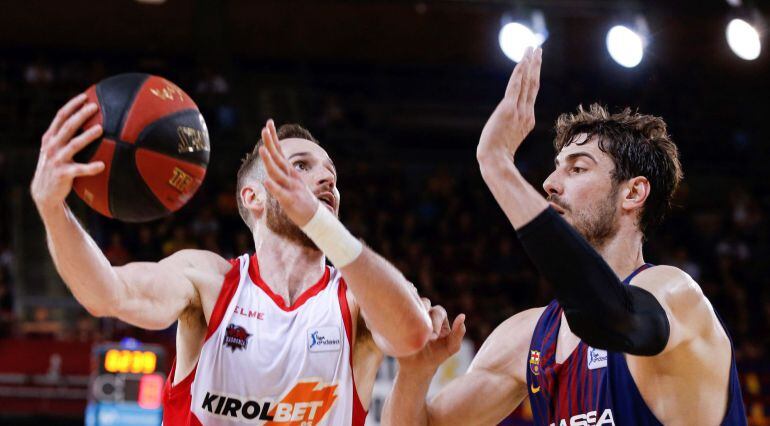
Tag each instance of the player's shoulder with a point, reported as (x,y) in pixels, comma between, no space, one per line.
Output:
(200,260)
(670,283)
(507,348)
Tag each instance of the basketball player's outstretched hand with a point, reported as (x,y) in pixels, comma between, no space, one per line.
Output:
(438,349)
(514,116)
(284,182)
(55,166)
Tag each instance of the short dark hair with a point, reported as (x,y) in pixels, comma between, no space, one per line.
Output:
(638,144)
(251,163)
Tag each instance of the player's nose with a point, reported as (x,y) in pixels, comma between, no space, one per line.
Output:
(325,178)
(551,185)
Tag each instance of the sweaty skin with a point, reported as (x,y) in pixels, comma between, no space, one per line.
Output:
(685,384)
(184,286)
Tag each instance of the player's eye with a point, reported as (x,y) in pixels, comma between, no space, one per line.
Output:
(577,170)
(301,165)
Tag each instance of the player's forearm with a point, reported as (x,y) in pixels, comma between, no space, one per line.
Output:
(519,200)
(79,261)
(389,302)
(600,309)
(406,405)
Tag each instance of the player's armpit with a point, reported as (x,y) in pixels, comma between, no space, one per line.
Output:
(366,360)
(153,295)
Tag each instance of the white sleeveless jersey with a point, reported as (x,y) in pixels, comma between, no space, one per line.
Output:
(265,363)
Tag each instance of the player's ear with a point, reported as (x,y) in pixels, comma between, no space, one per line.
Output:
(254,196)
(636,190)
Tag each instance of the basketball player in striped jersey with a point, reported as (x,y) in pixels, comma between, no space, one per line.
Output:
(625,342)
(273,338)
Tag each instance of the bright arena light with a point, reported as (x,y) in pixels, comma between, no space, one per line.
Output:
(625,46)
(515,38)
(743,39)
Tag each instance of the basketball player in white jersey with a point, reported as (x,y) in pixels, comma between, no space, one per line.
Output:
(274,338)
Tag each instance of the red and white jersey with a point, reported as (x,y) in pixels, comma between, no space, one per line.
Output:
(265,363)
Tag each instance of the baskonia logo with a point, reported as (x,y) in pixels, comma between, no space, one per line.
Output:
(306,404)
(588,419)
(236,337)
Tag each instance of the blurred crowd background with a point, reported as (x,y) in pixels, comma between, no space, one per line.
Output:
(403,138)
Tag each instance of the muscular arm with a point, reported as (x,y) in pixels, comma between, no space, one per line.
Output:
(493,387)
(689,313)
(388,303)
(147,295)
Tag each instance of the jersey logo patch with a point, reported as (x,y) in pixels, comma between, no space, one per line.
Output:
(306,404)
(324,339)
(534,362)
(236,337)
(596,358)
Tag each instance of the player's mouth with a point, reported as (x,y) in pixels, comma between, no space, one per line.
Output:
(557,207)
(327,198)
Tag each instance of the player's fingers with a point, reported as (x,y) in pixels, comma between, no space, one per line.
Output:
(445,327)
(271,143)
(437,318)
(79,142)
(272,187)
(521,101)
(73,123)
(89,169)
(65,112)
(276,190)
(455,338)
(534,81)
(514,83)
(425,303)
(273,171)
(274,134)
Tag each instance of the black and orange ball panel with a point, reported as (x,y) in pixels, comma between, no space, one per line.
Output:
(155,147)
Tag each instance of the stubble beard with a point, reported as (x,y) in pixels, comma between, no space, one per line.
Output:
(278,222)
(596,223)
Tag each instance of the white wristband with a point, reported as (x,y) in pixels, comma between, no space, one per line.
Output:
(332,238)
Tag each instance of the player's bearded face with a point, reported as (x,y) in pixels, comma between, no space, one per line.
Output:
(596,220)
(278,222)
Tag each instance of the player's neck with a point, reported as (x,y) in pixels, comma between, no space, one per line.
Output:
(623,252)
(287,267)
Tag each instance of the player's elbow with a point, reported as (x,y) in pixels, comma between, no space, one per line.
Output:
(98,310)
(416,339)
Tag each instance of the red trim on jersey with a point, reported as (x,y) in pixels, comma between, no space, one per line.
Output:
(177,400)
(229,285)
(359,413)
(310,292)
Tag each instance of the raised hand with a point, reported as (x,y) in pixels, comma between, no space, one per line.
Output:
(56,169)
(444,343)
(284,182)
(514,116)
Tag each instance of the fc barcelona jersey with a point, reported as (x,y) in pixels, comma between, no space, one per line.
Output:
(594,386)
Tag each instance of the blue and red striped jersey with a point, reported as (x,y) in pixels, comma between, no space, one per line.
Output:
(593,386)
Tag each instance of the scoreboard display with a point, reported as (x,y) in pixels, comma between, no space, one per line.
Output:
(126,384)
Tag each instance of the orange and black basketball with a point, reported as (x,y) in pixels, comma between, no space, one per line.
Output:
(155,147)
